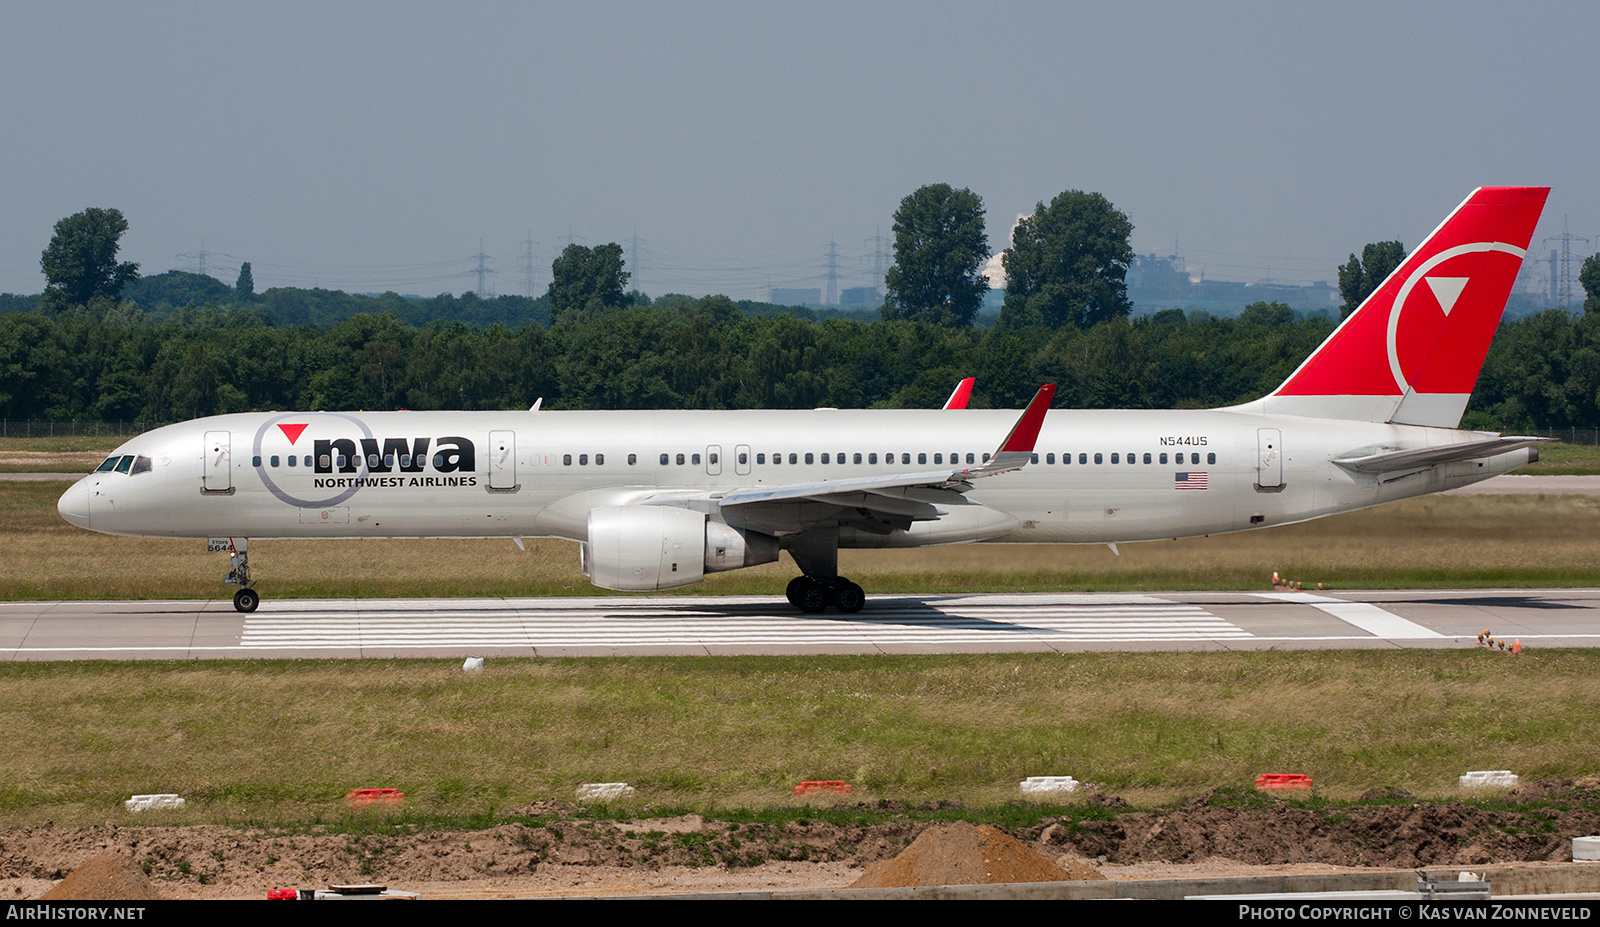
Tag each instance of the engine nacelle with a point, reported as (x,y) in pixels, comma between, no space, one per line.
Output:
(637,548)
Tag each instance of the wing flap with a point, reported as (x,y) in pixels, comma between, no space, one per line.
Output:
(1389,461)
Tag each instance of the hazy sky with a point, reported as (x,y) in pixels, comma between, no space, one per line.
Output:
(371,146)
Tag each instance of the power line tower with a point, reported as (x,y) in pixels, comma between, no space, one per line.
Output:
(1561,287)
(528,264)
(832,299)
(483,271)
(634,264)
(196,259)
(879,259)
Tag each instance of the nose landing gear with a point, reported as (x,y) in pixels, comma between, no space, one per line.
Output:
(246,599)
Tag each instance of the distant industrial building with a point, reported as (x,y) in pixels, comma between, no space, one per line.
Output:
(796,296)
(1156,283)
(860,297)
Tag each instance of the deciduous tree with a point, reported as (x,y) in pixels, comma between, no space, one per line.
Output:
(1361,276)
(939,248)
(586,282)
(1068,264)
(81,261)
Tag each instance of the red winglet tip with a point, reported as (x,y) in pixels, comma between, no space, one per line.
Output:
(963,392)
(1026,432)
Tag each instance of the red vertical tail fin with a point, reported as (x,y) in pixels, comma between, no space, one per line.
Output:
(1411,352)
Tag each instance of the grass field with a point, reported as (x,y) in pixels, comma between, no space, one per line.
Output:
(280,742)
(1439,541)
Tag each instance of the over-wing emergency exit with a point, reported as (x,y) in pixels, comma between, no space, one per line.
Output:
(658,499)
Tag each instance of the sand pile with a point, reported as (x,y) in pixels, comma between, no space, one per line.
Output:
(960,854)
(110,876)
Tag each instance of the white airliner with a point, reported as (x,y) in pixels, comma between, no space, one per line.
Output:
(658,499)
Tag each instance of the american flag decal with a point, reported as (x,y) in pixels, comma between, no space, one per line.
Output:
(1194,479)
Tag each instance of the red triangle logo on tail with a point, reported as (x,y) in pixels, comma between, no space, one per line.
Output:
(293,431)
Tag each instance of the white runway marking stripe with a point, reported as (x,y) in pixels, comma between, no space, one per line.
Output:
(1367,617)
(733,621)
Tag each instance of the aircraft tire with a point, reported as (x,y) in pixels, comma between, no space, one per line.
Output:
(849,598)
(793,592)
(813,597)
(246,600)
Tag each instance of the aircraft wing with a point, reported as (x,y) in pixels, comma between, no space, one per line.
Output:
(883,503)
(1421,457)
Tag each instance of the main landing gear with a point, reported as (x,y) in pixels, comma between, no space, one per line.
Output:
(246,599)
(813,595)
(816,553)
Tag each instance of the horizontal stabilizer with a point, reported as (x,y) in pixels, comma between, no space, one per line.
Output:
(1420,457)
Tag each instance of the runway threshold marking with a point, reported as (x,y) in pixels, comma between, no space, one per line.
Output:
(1367,617)
(1109,619)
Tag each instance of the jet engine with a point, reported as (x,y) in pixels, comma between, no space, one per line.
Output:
(646,547)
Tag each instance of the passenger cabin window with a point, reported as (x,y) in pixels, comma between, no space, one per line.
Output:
(808,457)
(1097,458)
(583,460)
(599,460)
(566,460)
(857,458)
(633,459)
(1033,458)
(1146,456)
(971,459)
(1211,458)
(871,458)
(1084,458)
(663,460)
(1163,456)
(1114,458)
(761,458)
(274,460)
(744,457)
(680,460)
(694,459)
(1049,458)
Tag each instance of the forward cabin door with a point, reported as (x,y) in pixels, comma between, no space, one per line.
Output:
(503,460)
(1269,465)
(216,472)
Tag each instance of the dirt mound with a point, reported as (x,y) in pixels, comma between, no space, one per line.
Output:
(960,854)
(109,876)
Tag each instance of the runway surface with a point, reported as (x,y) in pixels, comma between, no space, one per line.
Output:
(706,625)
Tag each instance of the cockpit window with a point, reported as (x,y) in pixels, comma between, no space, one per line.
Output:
(124,463)
(141,464)
(109,465)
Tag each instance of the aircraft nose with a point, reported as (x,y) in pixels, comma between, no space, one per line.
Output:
(74,504)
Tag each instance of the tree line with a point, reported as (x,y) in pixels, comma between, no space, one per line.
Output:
(1543,370)
(93,346)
